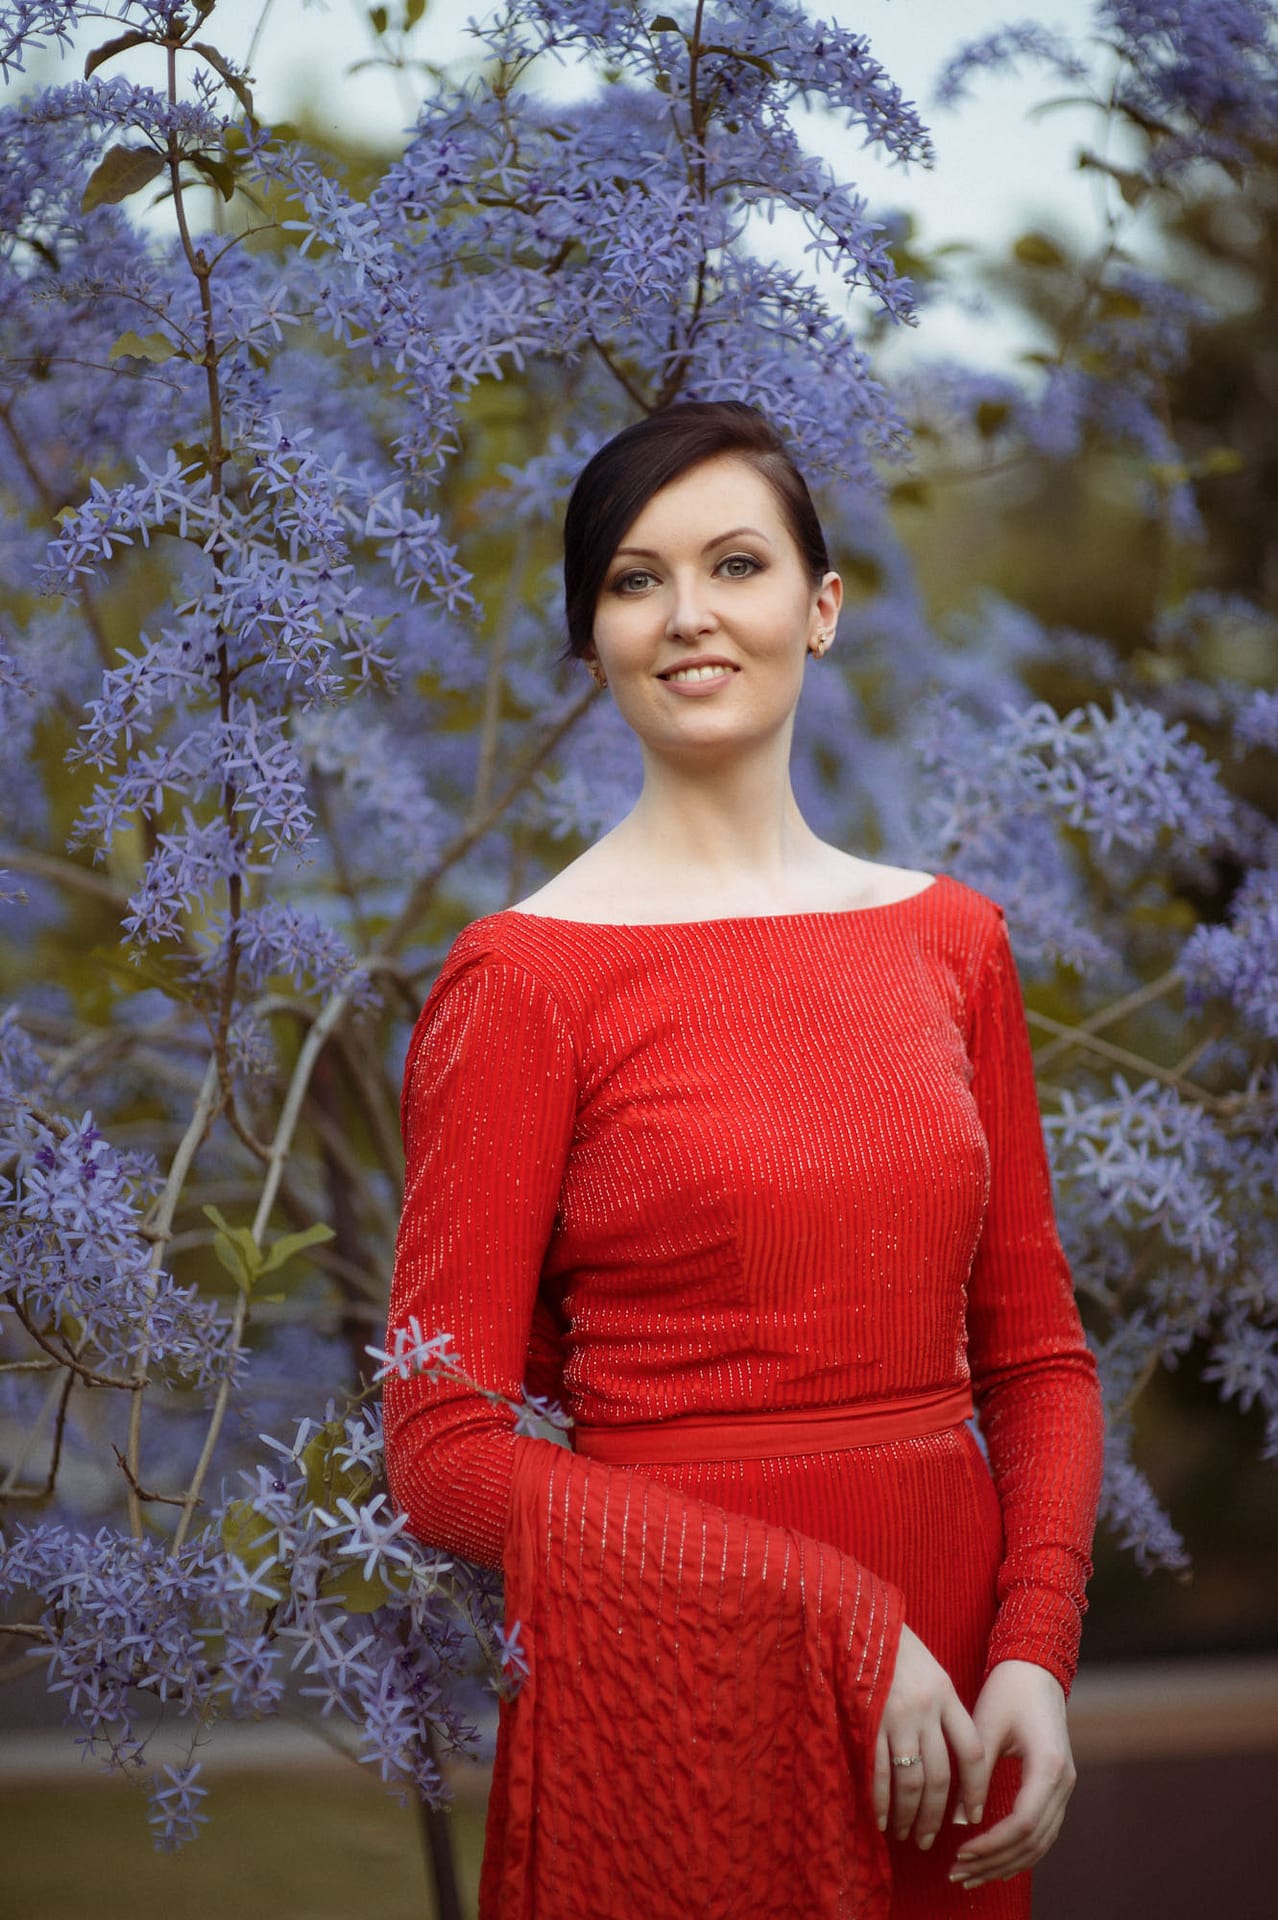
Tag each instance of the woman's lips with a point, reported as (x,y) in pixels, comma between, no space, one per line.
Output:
(703,684)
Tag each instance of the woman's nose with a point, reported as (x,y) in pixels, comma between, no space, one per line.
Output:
(691,608)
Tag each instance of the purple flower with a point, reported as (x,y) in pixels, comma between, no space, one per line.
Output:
(175,1812)
(1236,961)
(31,24)
(1005,48)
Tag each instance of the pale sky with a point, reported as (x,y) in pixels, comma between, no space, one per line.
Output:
(997,171)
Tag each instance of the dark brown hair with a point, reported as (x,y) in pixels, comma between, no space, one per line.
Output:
(616,484)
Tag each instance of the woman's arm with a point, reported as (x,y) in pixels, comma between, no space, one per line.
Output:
(1037,1393)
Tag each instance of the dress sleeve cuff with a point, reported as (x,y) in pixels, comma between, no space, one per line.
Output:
(1038,1624)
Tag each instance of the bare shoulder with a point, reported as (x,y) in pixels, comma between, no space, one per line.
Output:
(855,882)
(600,886)
(591,887)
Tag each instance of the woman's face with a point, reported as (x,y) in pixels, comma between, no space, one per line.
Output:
(711,570)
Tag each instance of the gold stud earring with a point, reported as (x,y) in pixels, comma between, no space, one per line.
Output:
(597,673)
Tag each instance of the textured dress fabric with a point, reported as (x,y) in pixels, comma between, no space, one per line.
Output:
(771,1165)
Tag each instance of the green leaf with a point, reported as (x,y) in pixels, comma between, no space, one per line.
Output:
(246,1261)
(222,175)
(380,19)
(121,171)
(147,969)
(911,493)
(1115,305)
(991,415)
(358,1595)
(109,49)
(239,87)
(137,346)
(413,13)
(1036,250)
(236,1248)
(252,1540)
(290,1243)
(326,1481)
(664,24)
(192,454)
(747,59)
(1134,187)
(232,1260)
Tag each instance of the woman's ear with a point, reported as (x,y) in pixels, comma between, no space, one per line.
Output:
(825,613)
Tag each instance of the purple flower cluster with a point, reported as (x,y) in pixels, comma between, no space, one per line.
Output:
(29,25)
(1000,796)
(273,577)
(305,1571)
(1236,962)
(72,1253)
(1200,78)
(1002,49)
(1196,81)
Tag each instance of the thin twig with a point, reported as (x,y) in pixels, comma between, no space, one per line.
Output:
(461,843)
(1116,1010)
(66,1359)
(494,682)
(160,1224)
(59,1397)
(1136,1062)
(67,873)
(278,1154)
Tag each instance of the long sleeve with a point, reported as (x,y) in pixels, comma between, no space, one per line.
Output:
(1034,1378)
(734,1672)
(490,1087)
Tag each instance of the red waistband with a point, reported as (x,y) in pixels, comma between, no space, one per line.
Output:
(763,1436)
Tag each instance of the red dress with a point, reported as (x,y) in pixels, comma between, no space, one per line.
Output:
(746,1165)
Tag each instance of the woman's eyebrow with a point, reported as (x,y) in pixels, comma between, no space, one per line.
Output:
(648,553)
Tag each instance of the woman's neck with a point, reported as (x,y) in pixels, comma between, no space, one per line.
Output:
(721,836)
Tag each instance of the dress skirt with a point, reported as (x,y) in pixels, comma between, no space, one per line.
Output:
(924,1516)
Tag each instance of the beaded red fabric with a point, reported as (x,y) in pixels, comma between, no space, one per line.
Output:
(760,1164)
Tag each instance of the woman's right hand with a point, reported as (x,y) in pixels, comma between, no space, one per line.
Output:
(925,1716)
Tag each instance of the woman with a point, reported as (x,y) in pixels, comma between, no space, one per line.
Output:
(729,1139)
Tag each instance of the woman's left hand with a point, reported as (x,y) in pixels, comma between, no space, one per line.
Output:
(1021,1710)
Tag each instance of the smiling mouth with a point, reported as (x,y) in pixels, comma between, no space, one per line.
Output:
(712,670)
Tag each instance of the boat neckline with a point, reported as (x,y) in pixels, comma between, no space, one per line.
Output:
(723,919)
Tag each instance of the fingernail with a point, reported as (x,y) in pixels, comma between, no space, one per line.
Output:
(977,1811)
(959,1818)
(883,1824)
(925,1844)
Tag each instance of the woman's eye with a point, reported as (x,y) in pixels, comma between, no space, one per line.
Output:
(633,582)
(739,566)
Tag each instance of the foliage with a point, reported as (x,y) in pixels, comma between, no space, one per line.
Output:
(281,467)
